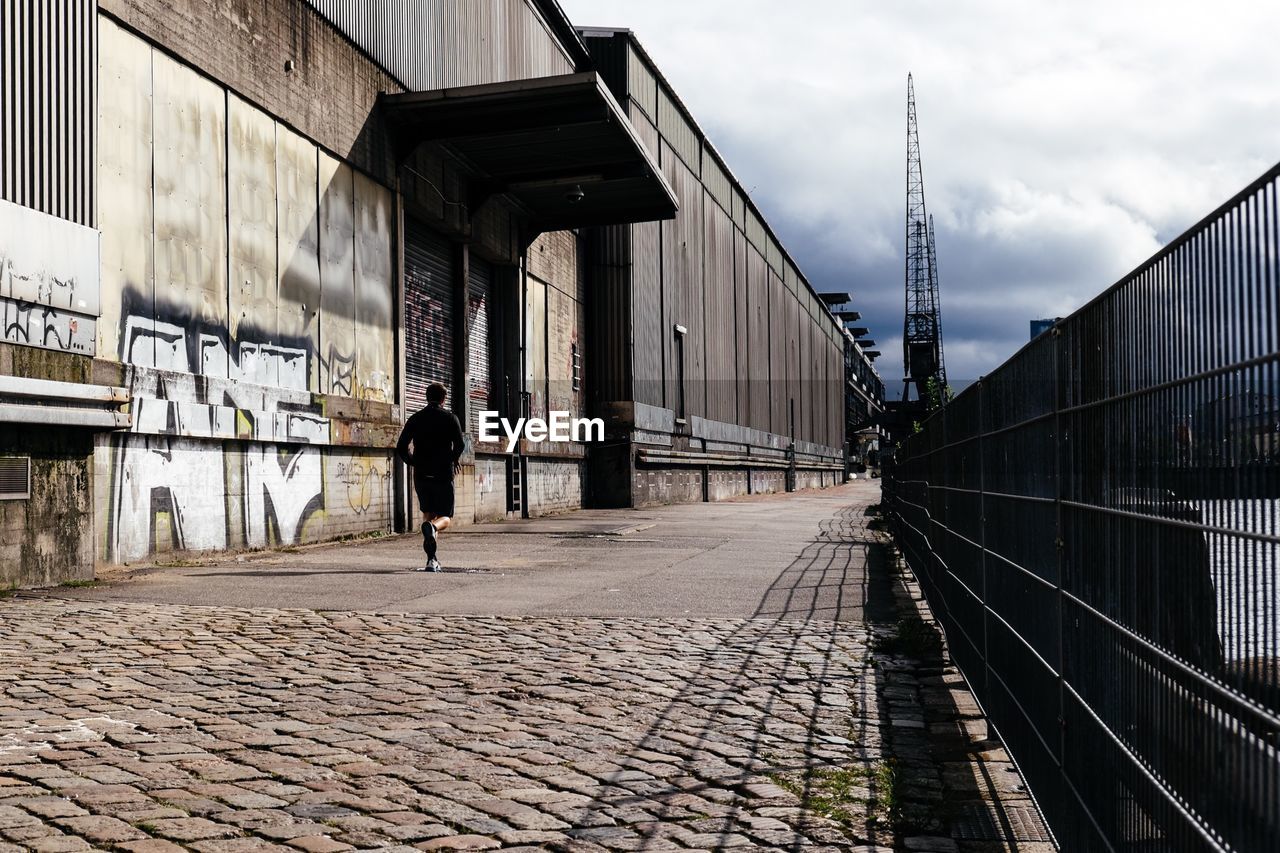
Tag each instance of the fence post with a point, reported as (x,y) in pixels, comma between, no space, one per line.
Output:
(1060,543)
(982,534)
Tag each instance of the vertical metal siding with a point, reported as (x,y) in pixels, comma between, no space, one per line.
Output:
(480,344)
(721,328)
(48,106)
(435,44)
(428,290)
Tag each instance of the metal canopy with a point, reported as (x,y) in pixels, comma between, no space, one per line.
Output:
(838,298)
(560,147)
(849,316)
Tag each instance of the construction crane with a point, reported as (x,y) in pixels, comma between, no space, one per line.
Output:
(922,328)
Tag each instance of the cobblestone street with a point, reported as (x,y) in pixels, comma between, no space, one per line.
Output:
(161,726)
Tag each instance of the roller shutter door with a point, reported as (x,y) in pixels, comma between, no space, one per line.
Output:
(428,293)
(480,346)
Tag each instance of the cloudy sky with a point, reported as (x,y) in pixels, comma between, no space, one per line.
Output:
(1063,143)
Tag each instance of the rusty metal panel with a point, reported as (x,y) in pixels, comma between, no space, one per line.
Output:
(298,248)
(337,278)
(435,44)
(48,106)
(124,176)
(190,217)
(721,322)
(251,226)
(375,334)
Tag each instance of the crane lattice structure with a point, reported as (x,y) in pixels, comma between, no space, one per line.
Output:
(922,330)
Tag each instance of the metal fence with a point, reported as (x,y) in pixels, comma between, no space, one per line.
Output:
(1095,527)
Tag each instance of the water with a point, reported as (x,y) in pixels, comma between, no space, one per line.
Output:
(1244,575)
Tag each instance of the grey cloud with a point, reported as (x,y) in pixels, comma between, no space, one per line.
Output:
(1063,143)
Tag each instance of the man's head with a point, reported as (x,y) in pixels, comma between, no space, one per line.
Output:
(436,393)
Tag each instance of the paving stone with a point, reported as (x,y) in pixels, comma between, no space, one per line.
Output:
(460,842)
(101,829)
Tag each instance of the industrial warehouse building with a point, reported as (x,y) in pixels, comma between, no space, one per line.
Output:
(239,239)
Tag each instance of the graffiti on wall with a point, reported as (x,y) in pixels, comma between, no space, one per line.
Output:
(48,281)
(185,494)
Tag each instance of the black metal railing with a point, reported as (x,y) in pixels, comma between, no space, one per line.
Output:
(1097,528)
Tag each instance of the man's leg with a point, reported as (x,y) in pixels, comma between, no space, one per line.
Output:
(429,535)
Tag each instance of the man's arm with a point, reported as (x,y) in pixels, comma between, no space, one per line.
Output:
(457,442)
(402,446)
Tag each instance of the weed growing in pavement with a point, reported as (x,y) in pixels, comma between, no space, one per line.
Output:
(78,584)
(912,638)
(830,792)
(179,563)
(885,782)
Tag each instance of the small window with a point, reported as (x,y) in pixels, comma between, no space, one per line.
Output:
(577,368)
(681,332)
(15,478)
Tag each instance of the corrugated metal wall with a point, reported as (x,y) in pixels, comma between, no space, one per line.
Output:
(48,106)
(429,273)
(435,44)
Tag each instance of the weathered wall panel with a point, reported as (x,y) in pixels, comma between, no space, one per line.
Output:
(48,91)
(743,309)
(48,281)
(779,387)
(124,178)
(761,340)
(788,332)
(337,278)
(251,228)
(435,44)
(375,336)
(682,287)
(298,248)
(190,217)
(648,347)
(721,320)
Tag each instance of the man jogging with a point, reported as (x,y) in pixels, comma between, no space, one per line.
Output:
(436,437)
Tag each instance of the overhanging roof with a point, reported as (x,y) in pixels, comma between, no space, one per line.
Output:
(538,140)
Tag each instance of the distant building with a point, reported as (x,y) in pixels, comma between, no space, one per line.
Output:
(233,256)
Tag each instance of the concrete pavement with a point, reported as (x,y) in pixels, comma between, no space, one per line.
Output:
(707,560)
(722,679)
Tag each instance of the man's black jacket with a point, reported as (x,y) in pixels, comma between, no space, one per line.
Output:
(437,442)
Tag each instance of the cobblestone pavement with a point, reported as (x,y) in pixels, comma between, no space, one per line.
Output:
(157,727)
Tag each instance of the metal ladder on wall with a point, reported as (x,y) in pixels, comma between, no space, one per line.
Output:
(516,499)
(515,485)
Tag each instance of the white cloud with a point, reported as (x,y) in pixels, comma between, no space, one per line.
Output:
(1062,142)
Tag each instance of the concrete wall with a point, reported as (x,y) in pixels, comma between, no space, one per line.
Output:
(554,485)
(161,494)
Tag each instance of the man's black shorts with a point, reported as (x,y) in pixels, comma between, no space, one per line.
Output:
(435,495)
